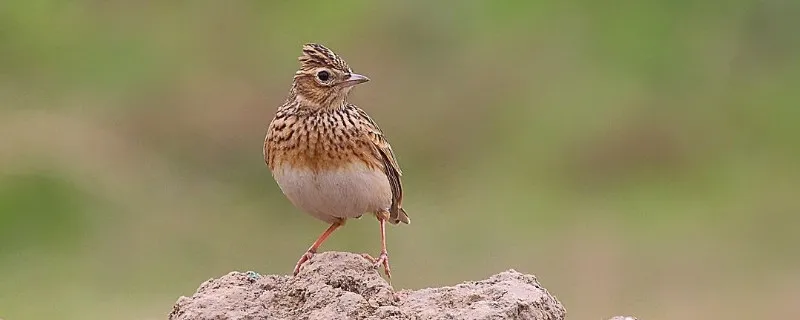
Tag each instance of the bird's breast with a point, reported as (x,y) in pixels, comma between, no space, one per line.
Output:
(326,165)
(318,144)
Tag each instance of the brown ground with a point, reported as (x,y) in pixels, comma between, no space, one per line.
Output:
(337,285)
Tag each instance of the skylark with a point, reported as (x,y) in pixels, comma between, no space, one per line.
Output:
(328,156)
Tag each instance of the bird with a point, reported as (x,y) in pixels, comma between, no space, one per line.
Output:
(329,157)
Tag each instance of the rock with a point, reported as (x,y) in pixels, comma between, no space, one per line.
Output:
(337,285)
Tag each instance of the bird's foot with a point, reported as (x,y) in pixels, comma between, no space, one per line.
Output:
(382,260)
(303,259)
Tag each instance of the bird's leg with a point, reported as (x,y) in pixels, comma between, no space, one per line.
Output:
(313,249)
(383,258)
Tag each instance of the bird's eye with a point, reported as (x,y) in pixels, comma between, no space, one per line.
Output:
(323,75)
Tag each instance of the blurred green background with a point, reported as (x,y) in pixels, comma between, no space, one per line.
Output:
(639,157)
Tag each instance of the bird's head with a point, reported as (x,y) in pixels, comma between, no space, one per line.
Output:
(324,79)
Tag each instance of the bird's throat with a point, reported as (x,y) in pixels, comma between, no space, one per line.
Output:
(329,102)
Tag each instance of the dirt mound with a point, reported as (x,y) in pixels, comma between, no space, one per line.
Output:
(337,285)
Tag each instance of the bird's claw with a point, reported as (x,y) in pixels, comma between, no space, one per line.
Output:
(303,259)
(382,260)
(368,257)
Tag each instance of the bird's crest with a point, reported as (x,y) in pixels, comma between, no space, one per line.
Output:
(317,55)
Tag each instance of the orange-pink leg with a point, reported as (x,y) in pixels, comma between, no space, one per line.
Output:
(313,249)
(382,259)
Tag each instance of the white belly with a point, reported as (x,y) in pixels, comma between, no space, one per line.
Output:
(345,193)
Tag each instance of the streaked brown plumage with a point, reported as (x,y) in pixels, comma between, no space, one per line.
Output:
(328,156)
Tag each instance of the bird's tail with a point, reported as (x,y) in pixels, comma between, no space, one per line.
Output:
(399,215)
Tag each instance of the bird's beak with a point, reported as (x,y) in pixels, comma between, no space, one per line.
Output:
(354,79)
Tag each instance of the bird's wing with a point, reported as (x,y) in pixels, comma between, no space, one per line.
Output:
(390,167)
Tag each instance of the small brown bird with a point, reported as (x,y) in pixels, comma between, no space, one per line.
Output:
(328,156)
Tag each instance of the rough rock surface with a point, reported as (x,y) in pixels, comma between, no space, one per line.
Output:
(337,285)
